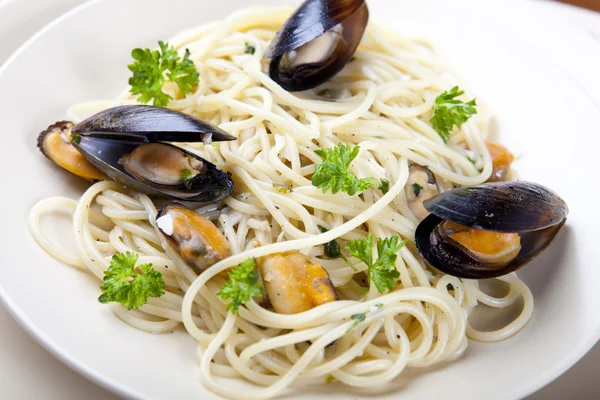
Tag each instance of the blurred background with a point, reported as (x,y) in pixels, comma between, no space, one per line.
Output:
(27,371)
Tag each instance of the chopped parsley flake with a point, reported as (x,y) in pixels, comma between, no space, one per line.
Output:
(417,189)
(249,49)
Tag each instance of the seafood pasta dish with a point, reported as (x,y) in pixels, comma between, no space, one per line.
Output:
(314,198)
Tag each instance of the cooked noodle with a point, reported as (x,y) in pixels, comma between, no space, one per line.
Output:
(381,101)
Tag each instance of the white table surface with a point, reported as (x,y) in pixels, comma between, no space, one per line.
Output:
(27,371)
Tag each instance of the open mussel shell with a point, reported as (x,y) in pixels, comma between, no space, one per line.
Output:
(316,42)
(120,161)
(530,210)
(149,124)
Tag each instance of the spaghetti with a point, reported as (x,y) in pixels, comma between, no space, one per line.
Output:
(380,102)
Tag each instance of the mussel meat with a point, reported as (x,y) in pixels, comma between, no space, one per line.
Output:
(55,144)
(316,42)
(294,282)
(502,159)
(196,239)
(125,143)
(420,186)
(489,230)
(158,169)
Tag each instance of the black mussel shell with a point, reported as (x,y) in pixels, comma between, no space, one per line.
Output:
(501,206)
(208,187)
(312,19)
(534,212)
(138,123)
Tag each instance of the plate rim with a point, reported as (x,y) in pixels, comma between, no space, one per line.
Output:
(12,308)
(543,379)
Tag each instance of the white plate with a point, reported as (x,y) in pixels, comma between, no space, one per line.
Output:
(519,61)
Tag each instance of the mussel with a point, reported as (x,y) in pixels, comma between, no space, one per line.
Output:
(294,282)
(316,42)
(502,159)
(127,144)
(137,123)
(489,230)
(55,144)
(197,240)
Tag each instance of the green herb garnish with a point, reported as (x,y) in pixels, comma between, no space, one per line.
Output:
(153,68)
(249,49)
(449,112)
(471,160)
(363,293)
(382,273)
(358,318)
(384,186)
(417,189)
(75,138)
(130,285)
(332,249)
(242,285)
(186,178)
(333,173)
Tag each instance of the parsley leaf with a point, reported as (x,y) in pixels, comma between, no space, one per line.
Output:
(362,249)
(384,186)
(130,285)
(249,49)
(153,68)
(242,285)
(332,249)
(186,178)
(333,173)
(417,189)
(449,112)
(382,272)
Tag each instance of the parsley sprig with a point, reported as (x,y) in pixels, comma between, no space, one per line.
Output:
(242,285)
(153,68)
(130,285)
(382,273)
(333,173)
(449,112)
